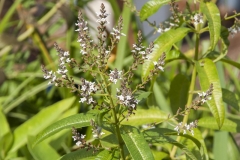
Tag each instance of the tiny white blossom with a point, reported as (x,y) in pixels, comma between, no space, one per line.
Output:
(78,143)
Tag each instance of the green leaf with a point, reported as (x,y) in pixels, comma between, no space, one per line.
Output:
(6,141)
(163,44)
(228,61)
(220,142)
(109,140)
(158,135)
(232,148)
(143,116)
(81,154)
(4,124)
(230,98)
(208,74)
(191,147)
(42,151)
(40,121)
(214,22)
(105,155)
(25,96)
(136,144)
(77,121)
(178,93)
(160,98)
(228,125)
(142,95)
(151,7)
(203,149)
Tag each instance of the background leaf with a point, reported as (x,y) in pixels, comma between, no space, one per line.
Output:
(228,125)
(40,121)
(42,151)
(178,94)
(208,74)
(230,98)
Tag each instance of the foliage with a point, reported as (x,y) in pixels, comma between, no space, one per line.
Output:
(152,101)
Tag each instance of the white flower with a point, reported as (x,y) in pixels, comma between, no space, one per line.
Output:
(83,99)
(115,75)
(78,143)
(121,98)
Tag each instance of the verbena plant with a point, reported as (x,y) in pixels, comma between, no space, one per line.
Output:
(120,128)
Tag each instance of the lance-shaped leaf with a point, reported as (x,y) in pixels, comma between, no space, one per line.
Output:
(77,121)
(42,150)
(228,125)
(40,121)
(151,7)
(163,44)
(136,144)
(214,22)
(79,154)
(208,74)
(146,116)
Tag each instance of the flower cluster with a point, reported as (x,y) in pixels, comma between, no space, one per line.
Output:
(64,57)
(117,33)
(197,19)
(115,75)
(235,28)
(163,29)
(83,35)
(186,127)
(126,98)
(96,130)
(173,20)
(49,75)
(203,98)
(138,49)
(102,15)
(87,88)
(77,137)
(160,63)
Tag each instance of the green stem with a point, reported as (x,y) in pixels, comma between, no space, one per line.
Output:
(190,94)
(233,16)
(116,121)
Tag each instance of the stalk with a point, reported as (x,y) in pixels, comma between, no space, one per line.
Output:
(190,93)
(116,122)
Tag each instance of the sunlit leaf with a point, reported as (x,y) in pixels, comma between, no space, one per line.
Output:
(151,7)
(208,75)
(143,116)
